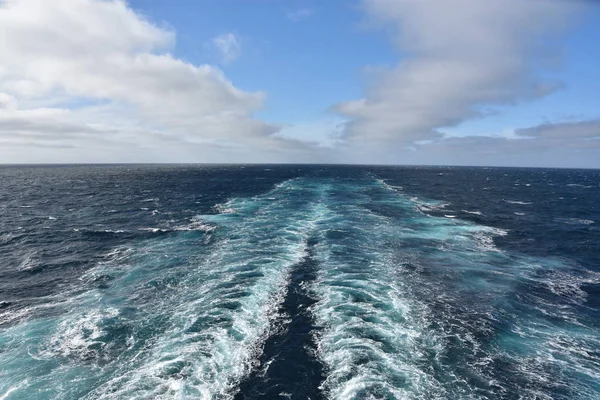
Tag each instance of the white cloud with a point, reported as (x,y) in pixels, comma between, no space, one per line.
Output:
(228,46)
(7,102)
(96,66)
(459,56)
(299,14)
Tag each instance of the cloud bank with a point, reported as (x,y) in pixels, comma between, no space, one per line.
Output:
(459,58)
(563,130)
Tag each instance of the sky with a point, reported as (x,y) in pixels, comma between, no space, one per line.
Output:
(434,82)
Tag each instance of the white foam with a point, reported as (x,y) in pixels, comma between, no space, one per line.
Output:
(517,202)
(224,209)
(77,334)
(23,383)
(28,262)
(195,224)
(372,335)
(6,237)
(574,221)
(153,230)
(472,212)
(376,339)
(217,357)
(386,185)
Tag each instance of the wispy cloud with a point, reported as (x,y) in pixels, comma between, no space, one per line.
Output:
(299,14)
(228,46)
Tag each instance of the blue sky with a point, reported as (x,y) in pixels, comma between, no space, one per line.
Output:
(365,81)
(330,49)
(324,51)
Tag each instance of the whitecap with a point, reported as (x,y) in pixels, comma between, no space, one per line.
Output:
(153,230)
(212,357)
(472,212)
(6,237)
(224,208)
(195,224)
(79,335)
(517,202)
(12,389)
(28,262)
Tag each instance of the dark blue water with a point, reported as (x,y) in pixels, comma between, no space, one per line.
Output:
(320,282)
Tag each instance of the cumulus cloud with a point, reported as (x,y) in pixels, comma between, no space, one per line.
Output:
(459,57)
(228,46)
(563,130)
(95,67)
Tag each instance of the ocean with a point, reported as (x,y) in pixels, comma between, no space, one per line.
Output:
(299,282)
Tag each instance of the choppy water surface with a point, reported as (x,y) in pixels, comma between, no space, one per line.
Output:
(320,282)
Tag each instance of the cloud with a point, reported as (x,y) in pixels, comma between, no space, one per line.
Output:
(459,57)
(73,70)
(563,130)
(539,152)
(299,14)
(486,151)
(7,102)
(228,46)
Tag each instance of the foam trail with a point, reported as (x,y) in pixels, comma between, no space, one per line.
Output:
(208,312)
(414,306)
(372,343)
(405,305)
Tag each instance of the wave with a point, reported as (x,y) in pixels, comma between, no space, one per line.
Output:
(407,304)
(8,237)
(517,202)
(224,208)
(373,337)
(29,262)
(408,307)
(167,318)
(472,212)
(574,221)
(218,330)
